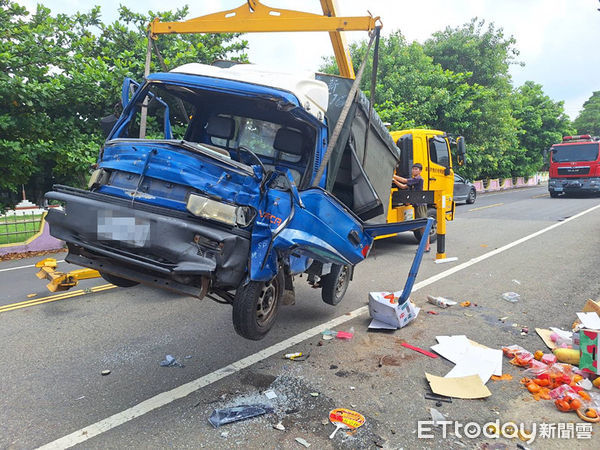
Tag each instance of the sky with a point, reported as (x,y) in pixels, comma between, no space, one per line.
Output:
(558,40)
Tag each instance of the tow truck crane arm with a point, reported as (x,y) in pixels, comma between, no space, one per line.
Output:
(255,17)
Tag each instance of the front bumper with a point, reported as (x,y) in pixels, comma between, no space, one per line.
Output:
(146,243)
(589,184)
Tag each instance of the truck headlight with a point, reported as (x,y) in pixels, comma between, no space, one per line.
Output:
(210,209)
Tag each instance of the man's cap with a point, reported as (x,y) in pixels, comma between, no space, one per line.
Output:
(418,166)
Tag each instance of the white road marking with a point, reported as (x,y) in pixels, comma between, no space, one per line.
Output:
(184,390)
(24,267)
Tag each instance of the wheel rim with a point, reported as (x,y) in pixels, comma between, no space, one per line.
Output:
(266,303)
(341,281)
(472,196)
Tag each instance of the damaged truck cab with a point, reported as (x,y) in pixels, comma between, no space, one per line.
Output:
(206,186)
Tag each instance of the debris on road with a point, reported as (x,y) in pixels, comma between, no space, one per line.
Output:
(468,387)
(236,413)
(440,301)
(170,361)
(387,313)
(302,442)
(465,304)
(437,417)
(297,356)
(511,297)
(345,418)
(270,394)
(420,350)
(279,426)
(470,357)
(105,372)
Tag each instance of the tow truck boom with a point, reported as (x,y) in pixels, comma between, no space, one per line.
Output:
(255,17)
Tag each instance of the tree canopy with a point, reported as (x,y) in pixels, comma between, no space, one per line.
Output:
(458,81)
(588,120)
(60,74)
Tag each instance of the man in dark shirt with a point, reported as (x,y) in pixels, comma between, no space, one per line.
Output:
(414,184)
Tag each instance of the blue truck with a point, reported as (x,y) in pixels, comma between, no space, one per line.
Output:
(208,184)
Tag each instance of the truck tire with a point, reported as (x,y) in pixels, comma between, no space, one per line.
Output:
(255,307)
(335,284)
(118,281)
(431,212)
(553,194)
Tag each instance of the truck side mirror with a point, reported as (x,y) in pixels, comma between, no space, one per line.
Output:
(461,150)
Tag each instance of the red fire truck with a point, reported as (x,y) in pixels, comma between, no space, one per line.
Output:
(575,166)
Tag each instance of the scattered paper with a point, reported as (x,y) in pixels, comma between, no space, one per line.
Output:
(592,306)
(470,357)
(463,387)
(545,335)
(589,320)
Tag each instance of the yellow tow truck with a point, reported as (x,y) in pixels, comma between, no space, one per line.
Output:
(432,149)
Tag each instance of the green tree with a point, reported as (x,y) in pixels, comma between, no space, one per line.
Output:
(60,74)
(486,54)
(588,120)
(541,121)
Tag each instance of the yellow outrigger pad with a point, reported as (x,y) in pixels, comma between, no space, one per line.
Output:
(59,281)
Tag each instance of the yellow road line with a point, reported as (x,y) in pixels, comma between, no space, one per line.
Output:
(541,195)
(485,207)
(54,298)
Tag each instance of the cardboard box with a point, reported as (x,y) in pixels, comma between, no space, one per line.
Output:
(387,313)
(589,341)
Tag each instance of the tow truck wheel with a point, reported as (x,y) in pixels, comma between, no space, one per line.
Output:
(255,307)
(431,212)
(118,281)
(334,284)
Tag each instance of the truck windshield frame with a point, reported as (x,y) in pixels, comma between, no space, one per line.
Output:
(575,152)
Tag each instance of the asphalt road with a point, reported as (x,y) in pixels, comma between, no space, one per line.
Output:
(53,353)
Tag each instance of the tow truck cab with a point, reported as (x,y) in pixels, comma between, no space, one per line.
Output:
(575,166)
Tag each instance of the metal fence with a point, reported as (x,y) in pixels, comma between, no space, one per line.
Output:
(19,228)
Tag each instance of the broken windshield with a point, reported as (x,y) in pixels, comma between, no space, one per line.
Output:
(573,153)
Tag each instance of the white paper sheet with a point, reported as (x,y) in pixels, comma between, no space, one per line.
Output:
(589,320)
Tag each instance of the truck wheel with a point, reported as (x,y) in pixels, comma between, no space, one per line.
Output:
(335,284)
(431,212)
(255,307)
(118,281)
(553,194)
(472,196)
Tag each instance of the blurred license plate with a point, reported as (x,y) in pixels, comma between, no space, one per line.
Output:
(558,189)
(130,230)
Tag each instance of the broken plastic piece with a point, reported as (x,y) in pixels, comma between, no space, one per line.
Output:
(270,394)
(420,350)
(298,356)
(465,304)
(236,413)
(279,426)
(105,372)
(169,361)
(511,297)
(440,301)
(302,442)
(345,418)
(436,416)
(345,334)
(438,398)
